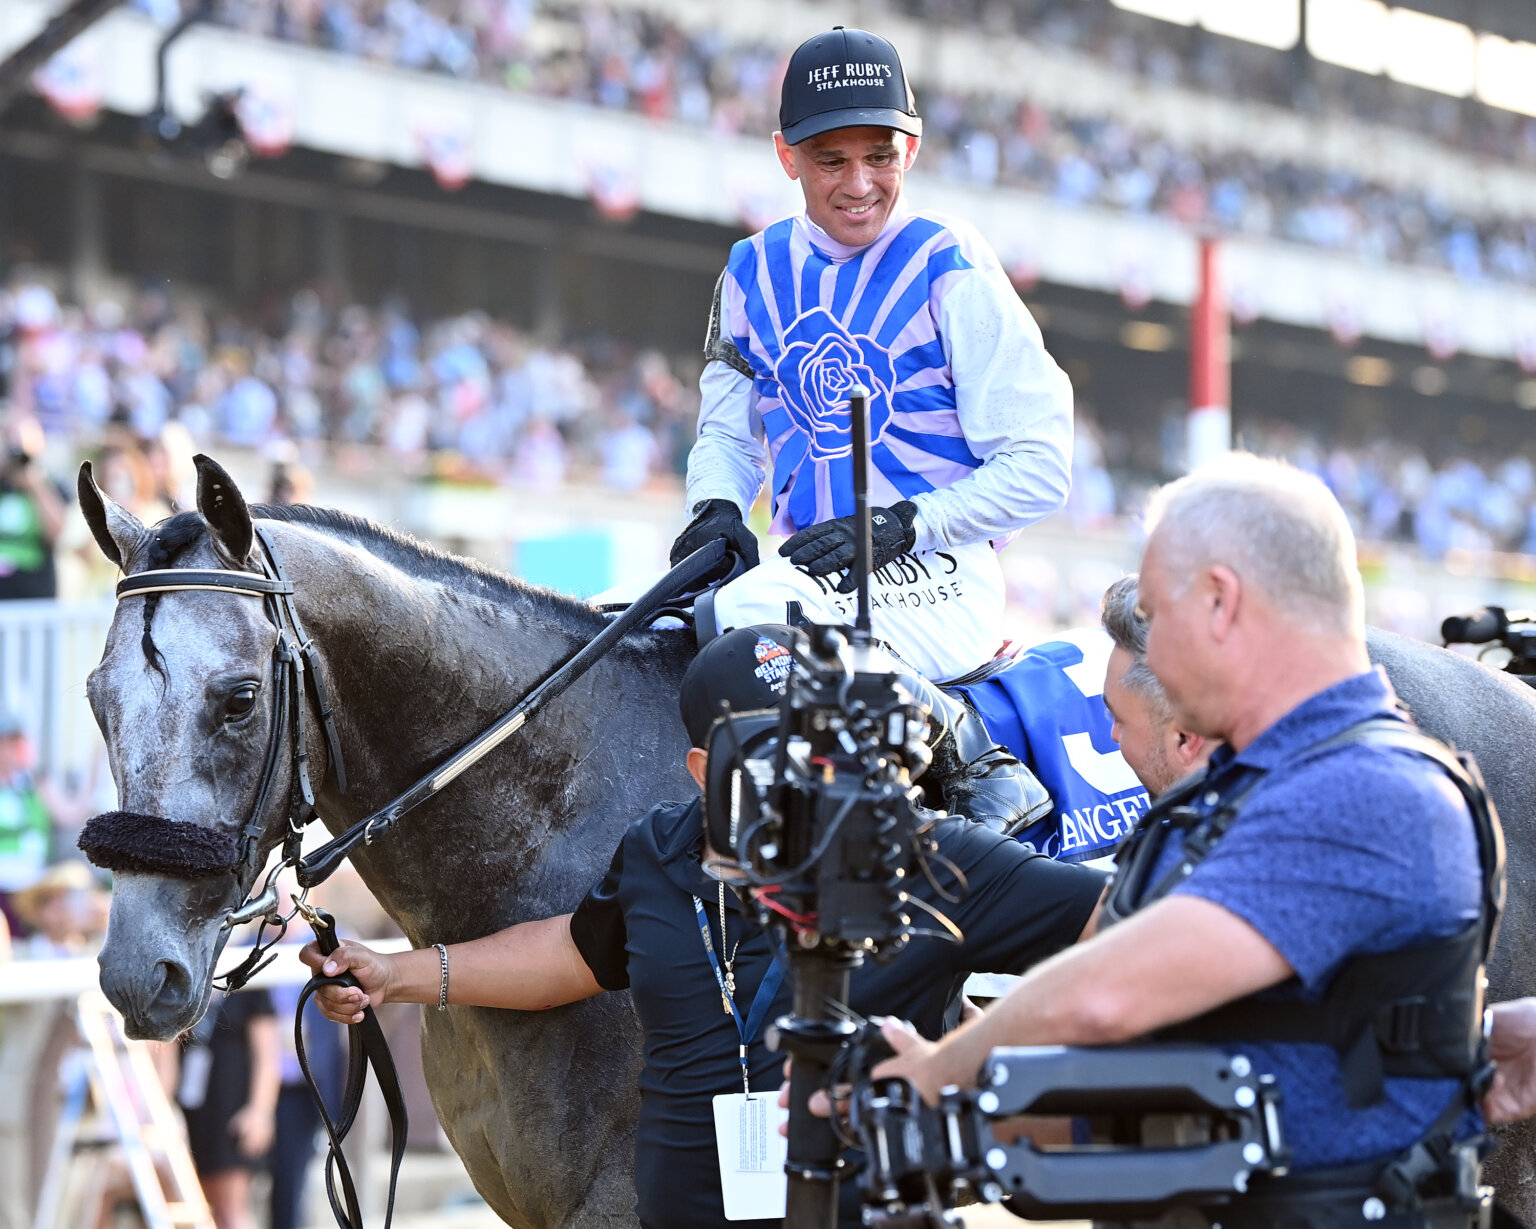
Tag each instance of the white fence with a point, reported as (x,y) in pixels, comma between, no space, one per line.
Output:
(46,650)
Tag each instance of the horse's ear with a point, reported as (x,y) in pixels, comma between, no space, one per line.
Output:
(117,531)
(223,507)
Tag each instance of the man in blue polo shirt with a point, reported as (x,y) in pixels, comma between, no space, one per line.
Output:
(640,929)
(1338,850)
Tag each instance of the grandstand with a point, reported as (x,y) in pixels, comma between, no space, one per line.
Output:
(476,239)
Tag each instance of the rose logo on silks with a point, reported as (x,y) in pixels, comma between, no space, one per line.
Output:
(820,363)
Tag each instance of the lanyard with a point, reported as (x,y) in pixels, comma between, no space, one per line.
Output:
(749,1028)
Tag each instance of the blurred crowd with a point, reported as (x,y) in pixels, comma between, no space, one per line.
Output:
(1165,53)
(1391,489)
(469,392)
(631,60)
(1393,493)
(473,398)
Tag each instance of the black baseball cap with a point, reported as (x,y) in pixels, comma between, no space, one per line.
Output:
(845,79)
(748,668)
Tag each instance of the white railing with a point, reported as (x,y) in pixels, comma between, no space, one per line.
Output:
(46,650)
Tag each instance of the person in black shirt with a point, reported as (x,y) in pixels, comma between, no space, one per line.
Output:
(640,929)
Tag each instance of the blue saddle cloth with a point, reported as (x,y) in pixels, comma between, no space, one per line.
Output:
(1048,709)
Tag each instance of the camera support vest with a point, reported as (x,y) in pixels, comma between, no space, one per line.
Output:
(1414,1012)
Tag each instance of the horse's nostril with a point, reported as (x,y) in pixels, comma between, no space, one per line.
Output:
(175,984)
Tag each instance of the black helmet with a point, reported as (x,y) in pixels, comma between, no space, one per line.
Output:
(845,79)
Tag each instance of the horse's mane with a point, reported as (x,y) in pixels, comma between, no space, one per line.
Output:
(426,562)
(412,556)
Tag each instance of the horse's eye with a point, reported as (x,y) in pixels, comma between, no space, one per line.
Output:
(240,703)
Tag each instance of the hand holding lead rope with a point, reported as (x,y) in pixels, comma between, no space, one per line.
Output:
(366,1046)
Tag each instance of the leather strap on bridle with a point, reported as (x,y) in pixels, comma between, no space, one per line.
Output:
(173,580)
(366,1045)
(308,655)
(292,654)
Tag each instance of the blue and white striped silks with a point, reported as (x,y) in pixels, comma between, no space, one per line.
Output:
(813,319)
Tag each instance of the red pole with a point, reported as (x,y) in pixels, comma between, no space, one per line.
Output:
(1210,364)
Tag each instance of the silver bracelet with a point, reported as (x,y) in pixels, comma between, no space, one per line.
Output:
(442,993)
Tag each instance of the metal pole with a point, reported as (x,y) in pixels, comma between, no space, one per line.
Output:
(813,1037)
(160,121)
(858,410)
(1210,366)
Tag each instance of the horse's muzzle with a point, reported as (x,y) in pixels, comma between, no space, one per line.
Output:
(150,844)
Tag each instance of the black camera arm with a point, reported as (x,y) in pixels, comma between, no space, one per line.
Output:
(920,1160)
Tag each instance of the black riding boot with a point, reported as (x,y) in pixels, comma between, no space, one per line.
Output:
(971,775)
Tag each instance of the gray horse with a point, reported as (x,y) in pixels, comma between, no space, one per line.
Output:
(421,652)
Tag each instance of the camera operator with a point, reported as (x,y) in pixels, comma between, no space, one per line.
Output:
(640,928)
(31,515)
(1161,753)
(1326,855)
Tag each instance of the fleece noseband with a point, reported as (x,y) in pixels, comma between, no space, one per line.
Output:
(148,844)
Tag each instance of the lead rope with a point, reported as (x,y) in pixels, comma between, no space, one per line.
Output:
(366,1045)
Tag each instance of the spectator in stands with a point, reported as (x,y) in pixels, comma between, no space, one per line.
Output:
(61,910)
(629,451)
(26,825)
(31,515)
(289,482)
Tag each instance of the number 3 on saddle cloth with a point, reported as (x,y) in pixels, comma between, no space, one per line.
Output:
(1048,709)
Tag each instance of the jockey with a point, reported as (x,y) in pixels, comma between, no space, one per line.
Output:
(970,418)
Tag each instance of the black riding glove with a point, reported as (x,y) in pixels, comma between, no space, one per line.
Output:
(828,547)
(716,518)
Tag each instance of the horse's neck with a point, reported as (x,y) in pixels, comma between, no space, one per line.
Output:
(419,667)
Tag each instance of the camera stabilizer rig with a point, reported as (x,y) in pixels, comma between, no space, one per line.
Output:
(1194,1125)
(816,803)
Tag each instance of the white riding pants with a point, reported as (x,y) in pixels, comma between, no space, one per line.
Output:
(941,610)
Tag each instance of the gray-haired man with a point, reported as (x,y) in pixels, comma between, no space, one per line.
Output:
(1159,750)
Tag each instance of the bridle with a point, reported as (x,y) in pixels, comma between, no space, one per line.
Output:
(296,675)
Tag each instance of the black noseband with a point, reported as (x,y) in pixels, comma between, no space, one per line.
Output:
(148,844)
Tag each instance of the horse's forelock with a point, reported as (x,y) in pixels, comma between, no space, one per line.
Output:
(166,541)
